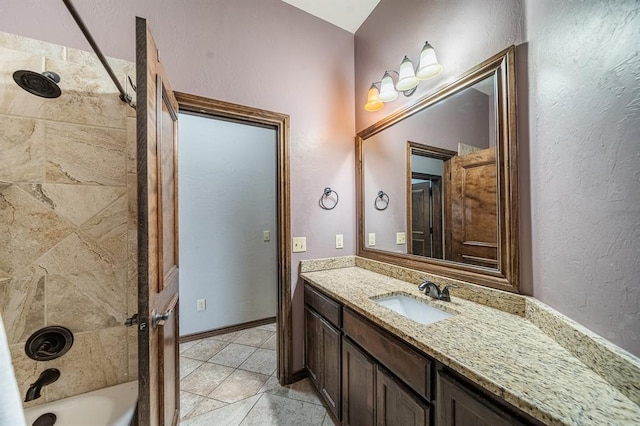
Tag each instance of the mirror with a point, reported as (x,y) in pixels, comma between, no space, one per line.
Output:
(447,169)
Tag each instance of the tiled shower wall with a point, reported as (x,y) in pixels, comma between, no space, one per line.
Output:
(68,216)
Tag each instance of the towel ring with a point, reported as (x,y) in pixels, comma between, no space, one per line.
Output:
(383,199)
(325,194)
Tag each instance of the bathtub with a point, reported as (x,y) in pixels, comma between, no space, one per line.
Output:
(113,406)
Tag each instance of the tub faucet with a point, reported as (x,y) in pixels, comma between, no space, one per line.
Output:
(47,377)
(432,290)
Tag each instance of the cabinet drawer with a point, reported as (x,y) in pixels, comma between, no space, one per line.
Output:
(398,357)
(328,308)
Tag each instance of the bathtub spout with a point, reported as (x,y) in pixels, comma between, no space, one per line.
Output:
(46,378)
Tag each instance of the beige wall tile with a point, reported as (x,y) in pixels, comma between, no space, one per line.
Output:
(31,46)
(132,166)
(88,96)
(22,306)
(84,154)
(13,99)
(76,203)
(22,148)
(132,351)
(96,360)
(28,229)
(86,301)
(76,253)
(109,229)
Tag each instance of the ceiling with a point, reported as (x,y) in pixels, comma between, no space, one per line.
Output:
(346,14)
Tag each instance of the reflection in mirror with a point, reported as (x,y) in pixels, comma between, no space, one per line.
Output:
(446,164)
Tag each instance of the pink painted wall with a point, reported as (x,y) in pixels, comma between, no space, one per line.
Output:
(260,53)
(584,119)
(578,71)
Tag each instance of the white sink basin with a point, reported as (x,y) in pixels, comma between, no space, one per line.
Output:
(413,309)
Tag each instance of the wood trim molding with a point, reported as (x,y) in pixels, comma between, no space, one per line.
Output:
(224,330)
(280,122)
(507,275)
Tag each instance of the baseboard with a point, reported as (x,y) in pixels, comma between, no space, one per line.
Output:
(224,330)
(297,376)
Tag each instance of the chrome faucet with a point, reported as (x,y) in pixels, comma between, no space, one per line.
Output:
(431,289)
(47,377)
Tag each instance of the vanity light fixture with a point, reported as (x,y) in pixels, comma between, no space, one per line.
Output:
(408,79)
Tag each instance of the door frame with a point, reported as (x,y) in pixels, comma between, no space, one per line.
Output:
(280,122)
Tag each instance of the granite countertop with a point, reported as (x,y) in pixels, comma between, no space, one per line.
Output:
(504,353)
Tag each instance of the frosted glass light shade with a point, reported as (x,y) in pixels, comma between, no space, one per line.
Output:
(373,103)
(429,66)
(407,79)
(387,91)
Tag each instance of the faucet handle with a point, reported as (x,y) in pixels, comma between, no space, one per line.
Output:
(444,295)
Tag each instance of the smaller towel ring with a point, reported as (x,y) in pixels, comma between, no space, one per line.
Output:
(382,201)
(325,194)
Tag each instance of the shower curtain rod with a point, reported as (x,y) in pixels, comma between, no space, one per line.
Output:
(72,10)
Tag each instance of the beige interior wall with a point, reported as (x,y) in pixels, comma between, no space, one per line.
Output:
(67,217)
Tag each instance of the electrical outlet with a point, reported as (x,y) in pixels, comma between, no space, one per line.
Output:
(299,244)
(401,238)
(201,304)
(372,239)
(339,241)
(266,236)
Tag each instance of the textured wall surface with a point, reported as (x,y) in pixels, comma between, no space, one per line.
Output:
(261,53)
(584,67)
(579,149)
(463,33)
(67,217)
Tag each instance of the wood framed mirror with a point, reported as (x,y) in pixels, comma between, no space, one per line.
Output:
(448,164)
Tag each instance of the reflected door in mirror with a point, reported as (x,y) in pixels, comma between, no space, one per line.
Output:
(473,214)
(426,216)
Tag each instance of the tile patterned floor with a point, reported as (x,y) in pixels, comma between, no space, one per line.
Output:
(230,380)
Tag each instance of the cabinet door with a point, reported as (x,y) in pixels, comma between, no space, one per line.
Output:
(313,343)
(396,405)
(458,405)
(358,386)
(331,368)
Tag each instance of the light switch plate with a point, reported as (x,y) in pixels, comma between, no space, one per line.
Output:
(299,244)
(372,239)
(201,304)
(266,236)
(339,241)
(401,238)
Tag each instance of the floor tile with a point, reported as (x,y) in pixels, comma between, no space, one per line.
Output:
(276,410)
(187,365)
(229,415)
(186,345)
(268,327)
(227,337)
(253,337)
(188,402)
(301,390)
(206,405)
(204,349)
(205,378)
(262,361)
(270,343)
(233,355)
(271,383)
(239,385)
(328,421)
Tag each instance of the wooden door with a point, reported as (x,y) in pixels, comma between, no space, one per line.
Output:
(157,122)
(331,371)
(358,386)
(461,406)
(313,333)
(426,218)
(473,223)
(396,405)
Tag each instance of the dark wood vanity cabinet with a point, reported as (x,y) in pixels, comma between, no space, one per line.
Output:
(460,404)
(323,341)
(368,376)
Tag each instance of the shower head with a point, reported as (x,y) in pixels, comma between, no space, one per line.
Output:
(43,85)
